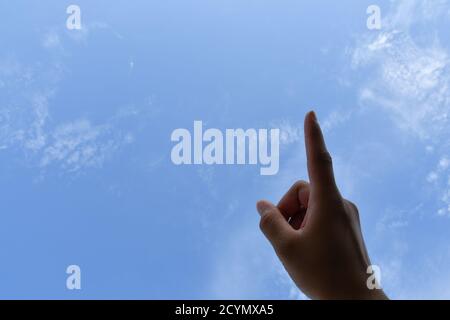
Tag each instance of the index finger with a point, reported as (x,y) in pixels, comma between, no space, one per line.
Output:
(320,164)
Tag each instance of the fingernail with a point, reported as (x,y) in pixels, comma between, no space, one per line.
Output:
(263,207)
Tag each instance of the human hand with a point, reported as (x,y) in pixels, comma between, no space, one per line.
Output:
(316,233)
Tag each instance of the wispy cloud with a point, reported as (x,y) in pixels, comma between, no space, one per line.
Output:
(26,122)
(439,179)
(289,133)
(336,119)
(406,72)
(51,40)
(409,77)
(27,125)
(411,82)
(80,144)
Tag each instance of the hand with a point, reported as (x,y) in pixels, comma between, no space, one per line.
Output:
(316,233)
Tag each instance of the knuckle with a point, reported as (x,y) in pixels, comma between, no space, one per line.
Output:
(324,158)
(353,208)
(300,184)
(356,213)
(267,220)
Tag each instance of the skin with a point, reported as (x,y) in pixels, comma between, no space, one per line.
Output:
(316,233)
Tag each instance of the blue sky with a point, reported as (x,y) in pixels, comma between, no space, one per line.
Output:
(86,116)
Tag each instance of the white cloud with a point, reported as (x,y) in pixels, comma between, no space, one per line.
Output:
(51,40)
(409,73)
(397,218)
(335,119)
(289,133)
(406,68)
(444,163)
(409,79)
(80,144)
(439,179)
(24,106)
(26,124)
(36,137)
(432,177)
(411,82)
(293,133)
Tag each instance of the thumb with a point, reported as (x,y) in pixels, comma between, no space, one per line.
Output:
(274,225)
